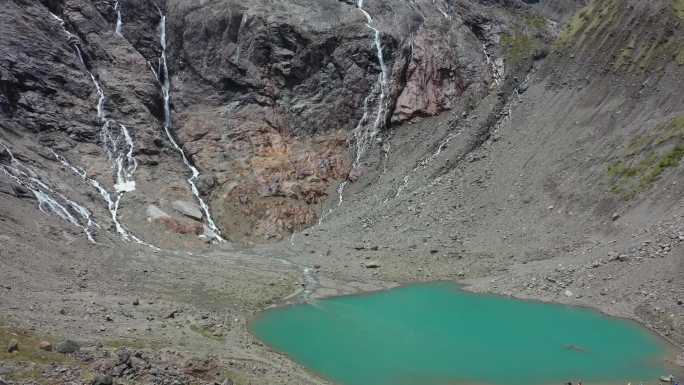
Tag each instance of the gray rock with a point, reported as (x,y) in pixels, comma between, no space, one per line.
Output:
(13,346)
(124,356)
(103,380)
(188,209)
(119,370)
(172,314)
(206,183)
(67,346)
(2,382)
(138,364)
(154,213)
(371,264)
(45,345)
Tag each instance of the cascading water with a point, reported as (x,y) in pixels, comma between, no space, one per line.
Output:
(116,140)
(506,113)
(425,162)
(496,66)
(364,133)
(382,78)
(49,201)
(119,20)
(112,205)
(163,76)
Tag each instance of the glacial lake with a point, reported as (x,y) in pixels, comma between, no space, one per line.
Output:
(438,334)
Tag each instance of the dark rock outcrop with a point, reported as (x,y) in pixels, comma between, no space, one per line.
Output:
(275,102)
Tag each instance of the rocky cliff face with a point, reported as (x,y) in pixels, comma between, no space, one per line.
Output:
(275,104)
(521,147)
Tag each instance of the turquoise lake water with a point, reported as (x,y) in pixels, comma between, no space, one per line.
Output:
(437,334)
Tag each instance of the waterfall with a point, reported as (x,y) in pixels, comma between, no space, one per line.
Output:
(119,20)
(163,76)
(363,133)
(49,201)
(496,66)
(116,141)
(112,205)
(381,87)
(118,146)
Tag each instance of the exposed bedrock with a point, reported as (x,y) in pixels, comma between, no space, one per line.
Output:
(275,103)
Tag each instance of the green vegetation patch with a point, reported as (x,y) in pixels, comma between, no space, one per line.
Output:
(679,59)
(535,21)
(599,27)
(30,361)
(519,46)
(28,348)
(647,157)
(678,8)
(208,333)
(237,377)
(586,23)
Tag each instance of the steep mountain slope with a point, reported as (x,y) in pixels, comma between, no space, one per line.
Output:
(530,148)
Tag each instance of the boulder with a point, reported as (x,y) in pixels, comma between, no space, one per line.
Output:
(206,183)
(371,264)
(45,345)
(138,364)
(154,213)
(124,356)
(13,346)
(67,346)
(103,380)
(188,209)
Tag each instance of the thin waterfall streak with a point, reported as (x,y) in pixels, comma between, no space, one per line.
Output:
(340,199)
(119,20)
(363,134)
(340,192)
(496,66)
(165,83)
(360,134)
(47,198)
(124,164)
(324,215)
(112,205)
(383,82)
(154,72)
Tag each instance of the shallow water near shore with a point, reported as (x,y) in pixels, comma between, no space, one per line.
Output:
(438,334)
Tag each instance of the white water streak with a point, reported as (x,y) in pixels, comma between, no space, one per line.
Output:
(382,79)
(48,199)
(112,205)
(363,133)
(119,20)
(496,66)
(166,92)
(117,142)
